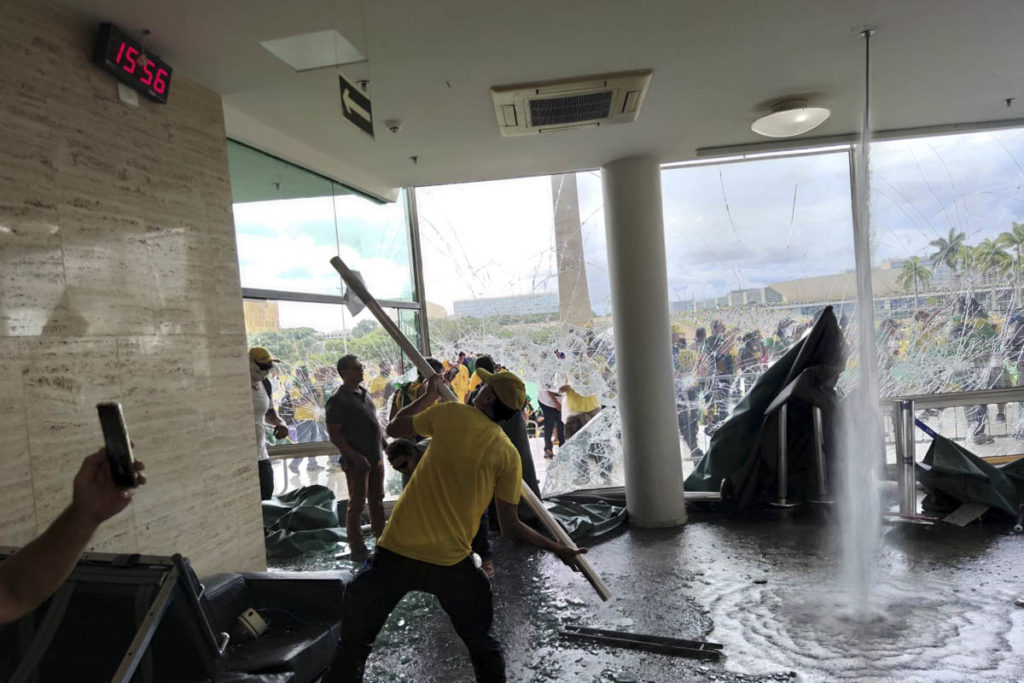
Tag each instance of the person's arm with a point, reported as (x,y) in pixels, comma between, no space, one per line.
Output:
(31,575)
(401,426)
(513,527)
(280,426)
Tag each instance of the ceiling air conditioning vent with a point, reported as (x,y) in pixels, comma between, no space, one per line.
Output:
(586,102)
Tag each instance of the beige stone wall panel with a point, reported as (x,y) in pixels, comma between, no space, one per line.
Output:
(119,281)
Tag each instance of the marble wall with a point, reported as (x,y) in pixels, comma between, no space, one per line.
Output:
(119,281)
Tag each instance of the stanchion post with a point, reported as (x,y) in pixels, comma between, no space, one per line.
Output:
(908,483)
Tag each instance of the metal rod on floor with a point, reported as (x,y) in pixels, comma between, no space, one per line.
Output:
(538,509)
(697,649)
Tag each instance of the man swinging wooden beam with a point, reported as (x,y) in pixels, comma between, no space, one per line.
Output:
(426,545)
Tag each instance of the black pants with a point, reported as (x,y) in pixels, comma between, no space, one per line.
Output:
(688,414)
(463,591)
(552,420)
(266,479)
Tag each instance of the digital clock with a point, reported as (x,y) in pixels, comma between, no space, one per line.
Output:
(127,61)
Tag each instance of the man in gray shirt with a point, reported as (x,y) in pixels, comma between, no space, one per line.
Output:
(353,428)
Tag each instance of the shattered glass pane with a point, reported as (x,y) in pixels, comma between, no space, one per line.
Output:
(309,338)
(532,291)
(947,217)
(755,249)
(289,222)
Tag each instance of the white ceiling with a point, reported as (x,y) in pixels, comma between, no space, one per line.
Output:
(717,63)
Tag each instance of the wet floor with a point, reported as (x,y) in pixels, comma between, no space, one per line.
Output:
(770,590)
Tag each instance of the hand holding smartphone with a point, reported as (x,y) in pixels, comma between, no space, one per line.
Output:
(119,445)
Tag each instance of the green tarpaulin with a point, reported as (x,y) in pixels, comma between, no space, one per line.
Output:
(743,453)
(950,471)
(306,520)
(301,521)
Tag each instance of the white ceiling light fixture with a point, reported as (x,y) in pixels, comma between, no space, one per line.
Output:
(790,118)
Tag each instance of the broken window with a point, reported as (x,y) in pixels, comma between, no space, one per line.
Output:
(948,234)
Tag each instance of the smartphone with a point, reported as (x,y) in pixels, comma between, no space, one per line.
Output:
(119,446)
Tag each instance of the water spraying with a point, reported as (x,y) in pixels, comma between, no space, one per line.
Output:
(862,433)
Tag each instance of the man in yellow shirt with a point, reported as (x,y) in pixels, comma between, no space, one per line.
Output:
(426,544)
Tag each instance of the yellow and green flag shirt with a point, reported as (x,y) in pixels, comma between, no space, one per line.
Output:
(577,404)
(469,460)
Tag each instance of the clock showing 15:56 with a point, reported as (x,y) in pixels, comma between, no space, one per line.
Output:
(125,59)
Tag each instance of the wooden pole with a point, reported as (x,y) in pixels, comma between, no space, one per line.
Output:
(389,325)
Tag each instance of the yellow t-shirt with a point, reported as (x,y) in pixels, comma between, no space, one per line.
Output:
(305,404)
(576,403)
(460,383)
(378,384)
(474,382)
(469,460)
(687,360)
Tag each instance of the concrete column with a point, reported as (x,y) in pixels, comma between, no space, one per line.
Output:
(573,293)
(643,346)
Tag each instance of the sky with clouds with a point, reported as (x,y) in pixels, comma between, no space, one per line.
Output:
(727,226)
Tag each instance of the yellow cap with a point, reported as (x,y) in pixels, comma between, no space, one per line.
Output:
(510,389)
(258,354)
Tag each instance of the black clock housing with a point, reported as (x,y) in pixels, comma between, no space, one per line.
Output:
(125,59)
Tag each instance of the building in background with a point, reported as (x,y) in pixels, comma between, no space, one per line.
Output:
(523,304)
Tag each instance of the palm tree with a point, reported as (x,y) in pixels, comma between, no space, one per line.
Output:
(1014,239)
(914,272)
(991,263)
(947,250)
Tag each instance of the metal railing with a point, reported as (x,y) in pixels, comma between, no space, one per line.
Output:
(301,450)
(903,412)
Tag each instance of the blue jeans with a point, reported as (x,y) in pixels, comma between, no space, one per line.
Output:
(306,431)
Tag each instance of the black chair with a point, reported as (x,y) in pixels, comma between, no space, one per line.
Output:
(303,611)
(148,619)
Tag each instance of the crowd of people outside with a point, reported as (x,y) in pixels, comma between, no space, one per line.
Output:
(713,371)
(565,393)
(957,345)
(954,346)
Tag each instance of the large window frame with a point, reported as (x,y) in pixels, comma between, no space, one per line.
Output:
(416,305)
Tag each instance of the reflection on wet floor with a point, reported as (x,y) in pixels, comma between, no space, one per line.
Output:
(768,589)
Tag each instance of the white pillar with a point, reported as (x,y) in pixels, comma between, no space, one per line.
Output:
(643,344)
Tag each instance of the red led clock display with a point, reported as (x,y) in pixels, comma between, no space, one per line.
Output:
(125,59)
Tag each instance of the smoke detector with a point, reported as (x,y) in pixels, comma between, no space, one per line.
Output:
(585,102)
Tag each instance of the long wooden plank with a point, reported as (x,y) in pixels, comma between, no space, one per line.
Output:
(538,509)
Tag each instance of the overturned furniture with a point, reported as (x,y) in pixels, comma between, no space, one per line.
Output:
(149,619)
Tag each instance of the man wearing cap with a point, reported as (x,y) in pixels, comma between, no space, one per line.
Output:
(426,544)
(261,362)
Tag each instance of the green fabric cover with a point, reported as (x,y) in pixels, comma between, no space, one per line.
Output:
(743,453)
(301,521)
(949,469)
(586,520)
